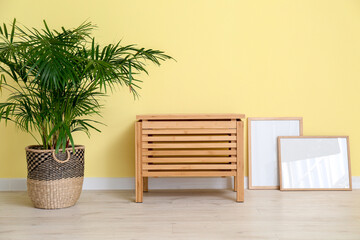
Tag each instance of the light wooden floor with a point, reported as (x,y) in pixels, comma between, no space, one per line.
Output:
(186,214)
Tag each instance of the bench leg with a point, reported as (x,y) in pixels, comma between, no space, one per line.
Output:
(239,187)
(240,162)
(234,183)
(139,190)
(146,184)
(139,187)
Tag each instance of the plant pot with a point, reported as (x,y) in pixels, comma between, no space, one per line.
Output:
(54,180)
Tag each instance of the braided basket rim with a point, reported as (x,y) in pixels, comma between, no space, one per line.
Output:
(31,148)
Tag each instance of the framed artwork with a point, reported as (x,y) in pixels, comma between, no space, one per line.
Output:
(314,163)
(262,148)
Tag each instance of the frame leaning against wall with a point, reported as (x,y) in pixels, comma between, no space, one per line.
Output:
(274,157)
(316,154)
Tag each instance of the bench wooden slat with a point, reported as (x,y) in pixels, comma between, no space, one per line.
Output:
(188,159)
(189,145)
(189,173)
(188,152)
(203,138)
(188,124)
(189,166)
(186,131)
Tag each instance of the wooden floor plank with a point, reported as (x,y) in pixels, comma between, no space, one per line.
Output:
(186,214)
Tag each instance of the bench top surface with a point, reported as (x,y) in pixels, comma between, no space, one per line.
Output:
(189,116)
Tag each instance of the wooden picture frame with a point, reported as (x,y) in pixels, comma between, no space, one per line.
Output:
(323,165)
(256,163)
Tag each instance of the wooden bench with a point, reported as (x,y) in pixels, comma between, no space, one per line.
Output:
(189,146)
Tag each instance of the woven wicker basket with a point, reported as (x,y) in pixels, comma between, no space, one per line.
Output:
(54,180)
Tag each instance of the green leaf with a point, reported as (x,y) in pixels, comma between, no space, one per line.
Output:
(5,31)
(70,137)
(13,31)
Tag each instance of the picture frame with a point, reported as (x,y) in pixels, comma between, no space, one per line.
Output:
(314,163)
(262,148)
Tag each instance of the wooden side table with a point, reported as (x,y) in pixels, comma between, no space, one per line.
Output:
(189,146)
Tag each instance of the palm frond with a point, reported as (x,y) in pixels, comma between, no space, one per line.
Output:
(59,77)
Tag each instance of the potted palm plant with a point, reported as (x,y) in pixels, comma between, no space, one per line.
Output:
(54,80)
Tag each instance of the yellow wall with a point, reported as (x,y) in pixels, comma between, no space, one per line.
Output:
(261,58)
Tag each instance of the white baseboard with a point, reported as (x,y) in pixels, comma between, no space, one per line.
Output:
(19,184)
(356,182)
(13,184)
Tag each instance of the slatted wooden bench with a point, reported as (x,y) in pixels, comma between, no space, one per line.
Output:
(189,146)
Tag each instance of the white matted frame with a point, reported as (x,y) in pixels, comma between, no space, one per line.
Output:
(262,148)
(314,163)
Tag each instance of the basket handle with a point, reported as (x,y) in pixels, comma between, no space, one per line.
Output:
(64,161)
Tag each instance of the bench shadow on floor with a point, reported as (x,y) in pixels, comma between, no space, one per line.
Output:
(214,194)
